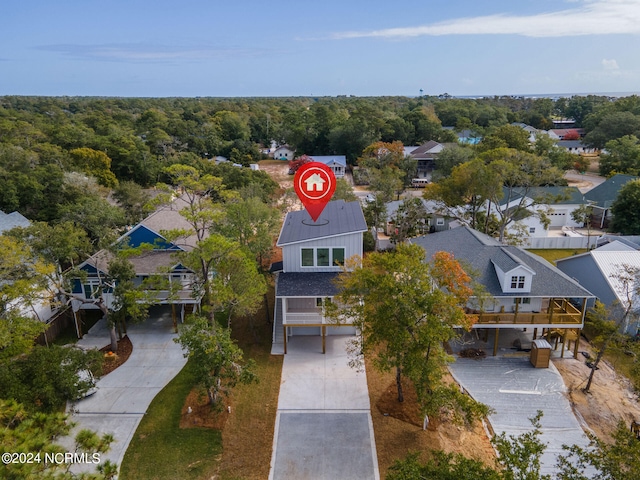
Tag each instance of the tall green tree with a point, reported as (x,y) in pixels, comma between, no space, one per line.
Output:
(520,174)
(253,224)
(465,192)
(217,359)
(626,209)
(406,310)
(623,156)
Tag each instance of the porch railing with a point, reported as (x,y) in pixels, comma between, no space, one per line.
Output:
(559,312)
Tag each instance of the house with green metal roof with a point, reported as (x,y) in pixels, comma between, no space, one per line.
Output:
(602,198)
(541,209)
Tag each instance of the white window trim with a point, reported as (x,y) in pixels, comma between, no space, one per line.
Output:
(315,256)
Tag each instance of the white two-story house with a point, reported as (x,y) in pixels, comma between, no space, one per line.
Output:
(312,256)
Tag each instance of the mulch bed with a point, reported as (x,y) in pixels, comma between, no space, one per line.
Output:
(201,415)
(407,411)
(111,362)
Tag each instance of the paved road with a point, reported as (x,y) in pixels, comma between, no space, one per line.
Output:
(323,426)
(584,182)
(124,395)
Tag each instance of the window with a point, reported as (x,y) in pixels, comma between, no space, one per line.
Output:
(322,256)
(532,229)
(523,301)
(307,257)
(517,282)
(338,256)
(520,282)
(440,221)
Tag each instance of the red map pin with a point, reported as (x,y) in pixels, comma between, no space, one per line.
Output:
(314,183)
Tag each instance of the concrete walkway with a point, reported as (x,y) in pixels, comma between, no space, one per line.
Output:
(323,425)
(124,395)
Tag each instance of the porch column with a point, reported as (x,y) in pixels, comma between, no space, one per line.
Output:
(575,347)
(551,307)
(173,317)
(495,342)
(564,342)
(324,336)
(535,333)
(284,328)
(515,314)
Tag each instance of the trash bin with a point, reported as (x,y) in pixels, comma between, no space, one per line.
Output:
(540,353)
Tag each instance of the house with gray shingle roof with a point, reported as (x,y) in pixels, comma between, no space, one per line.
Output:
(312,256)
(157,259)
(525,291)
(40,308)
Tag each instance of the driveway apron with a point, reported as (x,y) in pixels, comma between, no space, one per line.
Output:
(124,395)
(323,426)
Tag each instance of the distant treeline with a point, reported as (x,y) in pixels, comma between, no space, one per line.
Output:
(40,137)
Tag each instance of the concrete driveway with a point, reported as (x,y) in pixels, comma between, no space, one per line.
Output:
(323,426)
(124,395)
(516,391)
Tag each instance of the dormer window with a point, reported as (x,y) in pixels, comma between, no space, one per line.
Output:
(517,281)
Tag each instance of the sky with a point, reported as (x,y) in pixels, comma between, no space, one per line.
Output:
(256,48)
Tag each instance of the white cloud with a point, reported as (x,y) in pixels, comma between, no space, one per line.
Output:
(610,64)
(149,53)
(597,17)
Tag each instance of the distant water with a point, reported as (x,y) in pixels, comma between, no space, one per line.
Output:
(554,96)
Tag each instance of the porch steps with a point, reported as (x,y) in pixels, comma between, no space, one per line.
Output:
(277,347)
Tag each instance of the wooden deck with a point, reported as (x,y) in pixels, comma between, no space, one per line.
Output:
(560,312)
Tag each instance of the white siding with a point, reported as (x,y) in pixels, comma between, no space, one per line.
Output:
(292,257)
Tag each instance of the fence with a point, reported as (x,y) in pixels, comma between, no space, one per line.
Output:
(59,322)
(559,242)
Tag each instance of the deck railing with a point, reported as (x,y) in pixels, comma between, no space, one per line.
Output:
(562,312)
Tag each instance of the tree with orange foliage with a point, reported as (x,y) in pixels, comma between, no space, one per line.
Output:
(406,310)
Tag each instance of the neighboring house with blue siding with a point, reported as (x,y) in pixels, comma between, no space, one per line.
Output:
(157,259)
(312,256)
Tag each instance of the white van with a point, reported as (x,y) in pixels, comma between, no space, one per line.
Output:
(419,182)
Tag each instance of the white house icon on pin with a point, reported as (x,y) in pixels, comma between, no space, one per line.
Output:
(315,183)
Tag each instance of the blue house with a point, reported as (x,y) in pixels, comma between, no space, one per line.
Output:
(157,259)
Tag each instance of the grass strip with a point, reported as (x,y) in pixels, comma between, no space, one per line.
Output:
(160,449)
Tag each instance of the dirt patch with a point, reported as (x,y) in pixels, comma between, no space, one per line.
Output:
(398,426)
(196,412)
(114,360)
(278,170)
(610,398)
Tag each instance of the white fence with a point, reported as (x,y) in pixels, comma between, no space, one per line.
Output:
(559,242)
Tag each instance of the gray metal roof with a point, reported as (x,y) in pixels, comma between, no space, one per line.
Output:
(303,284)
(477,252)
(337,218)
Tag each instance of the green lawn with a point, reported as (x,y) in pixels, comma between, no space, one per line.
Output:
(160,449)
(553,254)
